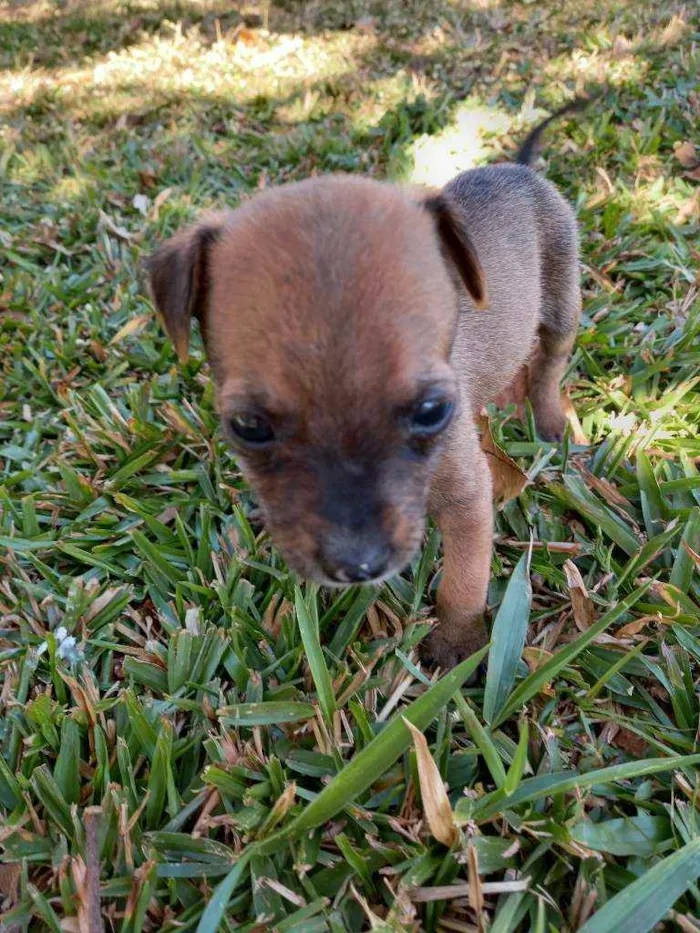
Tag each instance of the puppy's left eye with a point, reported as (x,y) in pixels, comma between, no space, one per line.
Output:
(430,416)
(251,429)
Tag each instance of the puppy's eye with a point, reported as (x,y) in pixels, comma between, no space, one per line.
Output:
(430,416)
(252,430)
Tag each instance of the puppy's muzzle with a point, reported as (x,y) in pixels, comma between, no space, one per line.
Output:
(351,557)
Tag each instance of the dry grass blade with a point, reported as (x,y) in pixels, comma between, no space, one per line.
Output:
(581,603)
(93,818)
(448,892)
(508,479)
(436,804)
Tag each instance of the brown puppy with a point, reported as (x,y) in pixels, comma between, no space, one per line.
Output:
(354,333)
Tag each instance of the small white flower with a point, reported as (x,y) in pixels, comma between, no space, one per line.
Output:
(69,650)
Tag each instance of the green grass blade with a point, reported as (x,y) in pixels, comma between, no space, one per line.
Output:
(508,639)
(215,909)
(632,835)
(308,628)
(377,757)
(563,782)
(642,904)
(684,569)
(536,681)
(517,768)
(653,506)
(265,714)
(482,740)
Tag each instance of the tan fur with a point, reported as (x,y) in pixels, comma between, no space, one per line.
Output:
(329,306)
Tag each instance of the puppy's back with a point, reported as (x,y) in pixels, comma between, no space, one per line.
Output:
(526,237)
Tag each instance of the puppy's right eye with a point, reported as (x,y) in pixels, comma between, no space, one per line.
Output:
(251,430)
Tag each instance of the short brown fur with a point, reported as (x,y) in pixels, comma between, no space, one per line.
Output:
(330,308)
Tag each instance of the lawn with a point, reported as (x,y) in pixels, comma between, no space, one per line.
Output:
(189,736)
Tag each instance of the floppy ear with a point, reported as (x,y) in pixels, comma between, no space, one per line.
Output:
(179,278)
(458,245)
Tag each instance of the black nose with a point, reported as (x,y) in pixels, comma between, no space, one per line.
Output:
(355,561)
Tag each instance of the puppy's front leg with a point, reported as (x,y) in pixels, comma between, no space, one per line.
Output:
(461,504)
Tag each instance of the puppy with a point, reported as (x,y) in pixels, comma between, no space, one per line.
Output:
(354,333)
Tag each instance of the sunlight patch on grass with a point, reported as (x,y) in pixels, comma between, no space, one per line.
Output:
(462,145)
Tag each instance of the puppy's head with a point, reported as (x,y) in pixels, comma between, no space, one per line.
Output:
(328,310)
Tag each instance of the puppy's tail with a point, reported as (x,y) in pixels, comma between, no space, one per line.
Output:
(530,147)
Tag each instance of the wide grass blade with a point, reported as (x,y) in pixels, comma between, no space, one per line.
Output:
(308,627)
(508,639)
(376,758)
(265,714)
(564,782)
(215,909)
(482,740)
(642,904)
(632,835)
(537,680)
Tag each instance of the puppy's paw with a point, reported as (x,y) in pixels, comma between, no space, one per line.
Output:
(451,643)
(551,422)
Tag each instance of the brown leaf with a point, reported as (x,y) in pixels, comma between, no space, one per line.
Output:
(516,393)
(92,819)
(133,326)
(436,804)
(606,490)
(508,479)
(9,882)
(476,894)
(635,627)
(686,155)
(689,209)
(247,36)
(630,742)
(584,611)
(121,232)
(535,657)
(159,200)
(576,429)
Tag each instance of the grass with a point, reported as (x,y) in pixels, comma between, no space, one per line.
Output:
(188,735)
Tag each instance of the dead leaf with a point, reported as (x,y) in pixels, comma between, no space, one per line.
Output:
(686,155)
(535,657)
(159,200)
(607,491)
(281,806)
(247,36)
(635,627)
(584,611)
(121,232)
(508,479)
(570,412)
(629,742)
(98,604)
(9,882)
(516,392)
(436,804)
(167,515)
(674,30)
(133,326)
(689,209)
(476,894)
